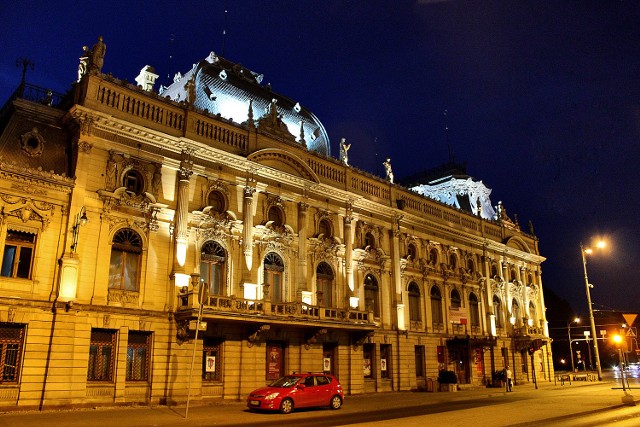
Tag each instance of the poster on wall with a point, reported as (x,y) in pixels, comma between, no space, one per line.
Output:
(274,362)
(383,365)
(210,364)
(367,367)
(326,363)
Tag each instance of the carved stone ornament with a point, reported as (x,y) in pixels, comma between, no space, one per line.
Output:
(32,143)
(27,209)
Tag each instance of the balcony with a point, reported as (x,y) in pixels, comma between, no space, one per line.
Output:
(292,313)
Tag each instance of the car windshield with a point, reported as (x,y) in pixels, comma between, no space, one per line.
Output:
(288,381)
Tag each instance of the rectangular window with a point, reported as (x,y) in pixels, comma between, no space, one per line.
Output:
(17,258)
(419,350)
(385,360)
(11,343)
(138,356)
(101,355)
(211,360)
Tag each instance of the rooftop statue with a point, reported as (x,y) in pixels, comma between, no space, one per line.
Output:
(97,55)
(344,151)
(387,168)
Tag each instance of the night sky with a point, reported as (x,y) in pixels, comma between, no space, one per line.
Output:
(542,97)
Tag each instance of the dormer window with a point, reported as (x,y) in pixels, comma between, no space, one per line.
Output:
(217,201)
(324,228)
(133,182)
(275,215)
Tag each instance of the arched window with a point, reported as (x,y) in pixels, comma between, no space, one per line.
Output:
(494,271)
(124,267)
(512,273)
(414,302)
(212,267)
(453,261)
(217,201)
(471,266)
(412,252)
(371,295)
(455,299)
(133,181)
(497,311)
(532,314)
(516,312)
(433,256)
(273,271)
(275,214)
(324,284)
(436,307)
(474,310)
(369,240)
(325,228)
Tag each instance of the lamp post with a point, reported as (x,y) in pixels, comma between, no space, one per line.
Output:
(588,287)
(576,321)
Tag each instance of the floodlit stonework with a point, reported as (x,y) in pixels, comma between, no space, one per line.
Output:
(128,215)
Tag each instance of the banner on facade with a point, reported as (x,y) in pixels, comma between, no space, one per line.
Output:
(458,315)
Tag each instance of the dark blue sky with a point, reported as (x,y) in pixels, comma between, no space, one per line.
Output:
(543,97)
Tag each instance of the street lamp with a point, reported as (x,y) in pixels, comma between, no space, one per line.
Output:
(576,321)
(584,251)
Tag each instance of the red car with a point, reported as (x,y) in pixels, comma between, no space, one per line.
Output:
(298,391)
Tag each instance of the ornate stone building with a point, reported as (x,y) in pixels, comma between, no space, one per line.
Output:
(201,242)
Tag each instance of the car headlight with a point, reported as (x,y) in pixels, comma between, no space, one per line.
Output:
(271,396)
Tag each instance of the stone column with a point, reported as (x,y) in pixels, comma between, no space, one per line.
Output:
(181,233)
(302,248)
(395,268)
(247,212)
(348,240)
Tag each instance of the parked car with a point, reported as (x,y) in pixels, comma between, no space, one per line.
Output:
(298,391)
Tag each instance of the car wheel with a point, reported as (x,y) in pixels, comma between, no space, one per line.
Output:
(336,402)
(286,406)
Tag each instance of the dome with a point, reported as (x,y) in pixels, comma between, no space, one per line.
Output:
(225,88)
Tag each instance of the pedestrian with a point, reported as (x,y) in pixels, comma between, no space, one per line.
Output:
(509,379)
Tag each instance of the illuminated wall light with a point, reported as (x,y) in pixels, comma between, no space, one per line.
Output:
(68,280)
(354,302)
(251,291)
(512,320)
(182,279)
(530,322)
(401,325)
(181,251)
(307,297)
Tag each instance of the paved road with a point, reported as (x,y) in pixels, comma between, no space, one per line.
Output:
(579,404)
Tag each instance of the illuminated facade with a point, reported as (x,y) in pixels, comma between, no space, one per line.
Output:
(127,215)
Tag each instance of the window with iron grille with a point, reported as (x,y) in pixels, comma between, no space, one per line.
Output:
(101,355)
(138,356)
(11,342)
(17,258)
(211,360)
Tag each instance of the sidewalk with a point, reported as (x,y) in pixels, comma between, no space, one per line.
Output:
(556,399)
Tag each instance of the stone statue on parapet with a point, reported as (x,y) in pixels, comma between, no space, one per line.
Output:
(83,67)
(387,168)
(96,56)
(344,151)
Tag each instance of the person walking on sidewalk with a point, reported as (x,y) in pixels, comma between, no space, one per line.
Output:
(509,379)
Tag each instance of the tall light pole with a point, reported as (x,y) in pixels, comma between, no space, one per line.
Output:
(576,321)
(584,253)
